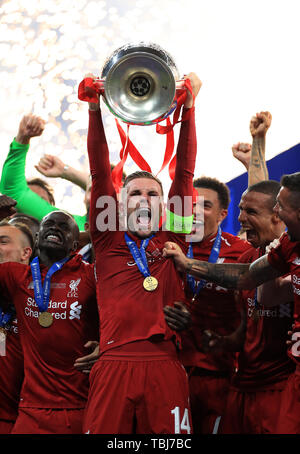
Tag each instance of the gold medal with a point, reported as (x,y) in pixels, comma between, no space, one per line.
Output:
(45,319)
(150,283)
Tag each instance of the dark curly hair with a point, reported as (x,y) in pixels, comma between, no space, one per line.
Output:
(220,188)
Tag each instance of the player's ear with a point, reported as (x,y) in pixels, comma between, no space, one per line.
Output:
(75,245)
(26,254)
(222,215)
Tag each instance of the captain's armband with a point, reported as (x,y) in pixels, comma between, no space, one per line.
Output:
(178,224)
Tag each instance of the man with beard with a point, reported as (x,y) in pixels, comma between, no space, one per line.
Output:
(281,260)
(213,307)
(54,298)
(263,366)
(138,385)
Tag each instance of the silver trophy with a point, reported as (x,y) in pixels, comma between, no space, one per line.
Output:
(139,83)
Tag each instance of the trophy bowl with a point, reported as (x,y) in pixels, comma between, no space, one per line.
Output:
(140,83)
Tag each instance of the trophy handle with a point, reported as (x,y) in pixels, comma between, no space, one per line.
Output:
(100,84)
(180,84)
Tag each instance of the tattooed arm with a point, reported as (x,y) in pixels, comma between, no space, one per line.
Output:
(259,126)
(229,275)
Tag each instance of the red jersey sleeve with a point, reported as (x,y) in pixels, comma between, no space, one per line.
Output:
(11,275)
(182,184)
(277,256)
(102,185)
(180,214)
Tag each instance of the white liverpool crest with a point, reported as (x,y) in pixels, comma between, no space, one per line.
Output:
(73,293)
(296,261)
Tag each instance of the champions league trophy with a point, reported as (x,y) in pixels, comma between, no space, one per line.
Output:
(140,83)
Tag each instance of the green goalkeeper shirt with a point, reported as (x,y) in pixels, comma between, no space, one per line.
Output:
(13,183)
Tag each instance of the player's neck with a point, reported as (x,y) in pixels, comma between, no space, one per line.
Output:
(139,235)
(210,235)
(48,258)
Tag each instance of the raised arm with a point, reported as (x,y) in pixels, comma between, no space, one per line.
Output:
(253,156)
(53,167)
(259,126)
(182,184)
(13,181)
(100,168)
(229,275)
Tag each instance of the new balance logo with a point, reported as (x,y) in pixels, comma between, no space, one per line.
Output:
(75,311)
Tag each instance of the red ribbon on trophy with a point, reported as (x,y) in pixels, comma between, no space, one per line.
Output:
(146,78)
(89,91)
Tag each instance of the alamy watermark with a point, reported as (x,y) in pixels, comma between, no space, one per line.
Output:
(138,214)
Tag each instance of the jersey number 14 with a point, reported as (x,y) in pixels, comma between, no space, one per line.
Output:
(181,425)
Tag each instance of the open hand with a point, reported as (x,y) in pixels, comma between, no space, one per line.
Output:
(85,363)
(177,316)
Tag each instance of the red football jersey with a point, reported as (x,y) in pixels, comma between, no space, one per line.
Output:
(11,375)
(50,380)
(127,311)
(214,308)
(286,258)
(263,360)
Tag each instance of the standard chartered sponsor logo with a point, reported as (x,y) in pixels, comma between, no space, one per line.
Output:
(296,290)
(295,279)
(75,310)
(283,310)
(59,309)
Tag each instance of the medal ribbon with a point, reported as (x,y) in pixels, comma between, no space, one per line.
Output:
(213,257)
(256,305)
(42,292)
(139,255)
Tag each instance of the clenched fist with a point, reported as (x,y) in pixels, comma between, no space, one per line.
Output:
(260,124)
(242,152)
(30,126)
(51,166)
